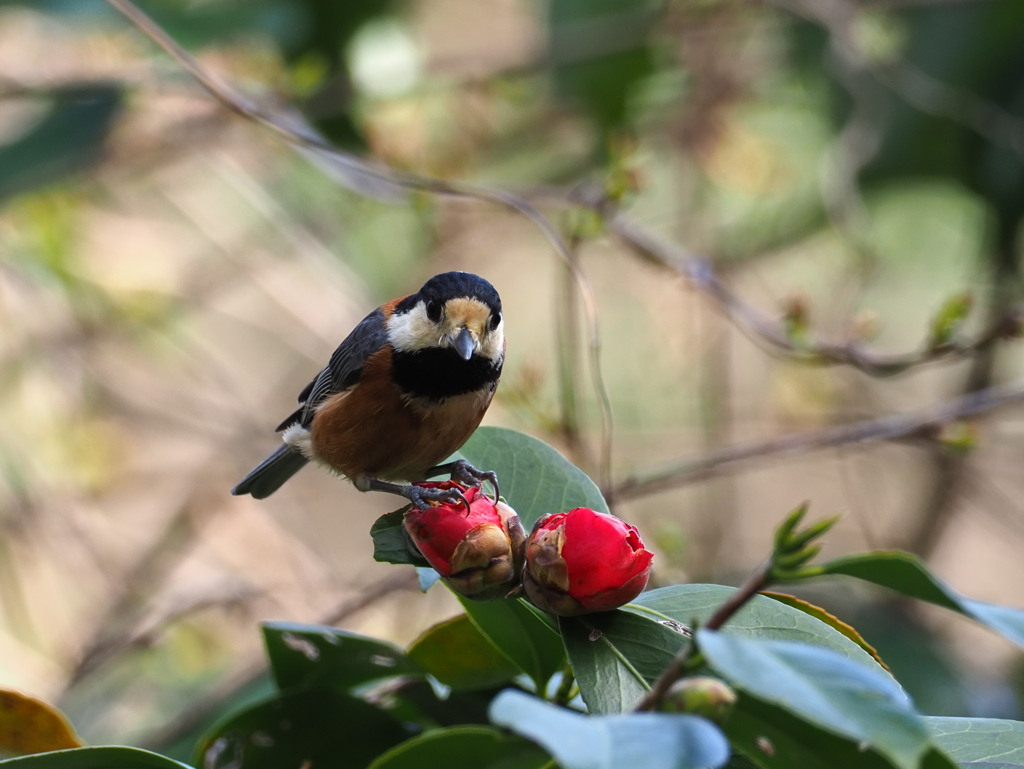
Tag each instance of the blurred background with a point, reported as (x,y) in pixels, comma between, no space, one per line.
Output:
(172,275)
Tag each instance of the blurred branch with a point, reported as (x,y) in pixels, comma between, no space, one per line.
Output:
(116,627)
(772,332)
(371,178)
(697,270)
(921,423)
(910,83)
(769,331)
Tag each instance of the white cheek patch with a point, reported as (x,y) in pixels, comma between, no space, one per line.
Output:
(412,330)
(493,344)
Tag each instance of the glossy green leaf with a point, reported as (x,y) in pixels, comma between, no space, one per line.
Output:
(464,747)
(390,544)
(908,575)
(771,737)
(761,617)
(534,478)
(829,619)
(825,689)
(183,736)
(458,655)
(615,655)
(523,634)
(649,740)
(310,727)
(417,701)
(986,743)
(423,704)
(323,656)
(98,757)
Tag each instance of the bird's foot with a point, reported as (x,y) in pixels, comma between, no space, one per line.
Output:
(462,471)
(420,496)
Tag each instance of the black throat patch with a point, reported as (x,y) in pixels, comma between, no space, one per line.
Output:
(437,373)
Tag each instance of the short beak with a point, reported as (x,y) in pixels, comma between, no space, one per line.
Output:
(464,344)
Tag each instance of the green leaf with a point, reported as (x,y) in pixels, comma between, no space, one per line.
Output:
(181,741)
(534,478)
(390,544)
(615,655)
(649,740)
(323,656)
(829,619)
(523,634)
(416,701)
(825,689)
(761,617)
(773,738)
(464,747)
(908,575)
(98,757)
(950,319)
(458,655)
(311,727)
(986,743)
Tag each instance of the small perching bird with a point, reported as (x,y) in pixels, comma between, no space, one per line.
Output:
(401,393)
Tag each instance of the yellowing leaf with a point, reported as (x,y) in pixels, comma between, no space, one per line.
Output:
(28,725)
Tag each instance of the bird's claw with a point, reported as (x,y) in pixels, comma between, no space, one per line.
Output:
(462,471)
(422,496)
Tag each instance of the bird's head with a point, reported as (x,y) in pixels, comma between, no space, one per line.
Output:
(455,311)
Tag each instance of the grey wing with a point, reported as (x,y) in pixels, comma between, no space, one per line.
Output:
(343,369)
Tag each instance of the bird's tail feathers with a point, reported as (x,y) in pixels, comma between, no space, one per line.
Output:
(268,476)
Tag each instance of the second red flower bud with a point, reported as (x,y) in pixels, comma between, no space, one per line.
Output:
(479,552)
(584,561)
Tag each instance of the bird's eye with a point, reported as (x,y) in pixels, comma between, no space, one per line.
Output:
(495,320)
(434,310)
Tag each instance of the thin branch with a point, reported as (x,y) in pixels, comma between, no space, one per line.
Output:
(907,81)
(755,583)
(921,422)
(768,331)
(771,332)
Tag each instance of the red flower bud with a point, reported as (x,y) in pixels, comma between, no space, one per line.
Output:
(584,561)
(479,553)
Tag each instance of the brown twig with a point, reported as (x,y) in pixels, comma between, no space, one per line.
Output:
(755,583)
(922,422)
(768,330)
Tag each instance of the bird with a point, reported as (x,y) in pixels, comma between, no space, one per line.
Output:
(403,392)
